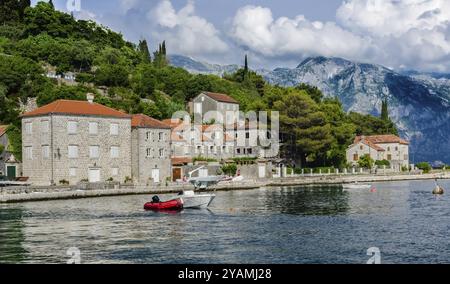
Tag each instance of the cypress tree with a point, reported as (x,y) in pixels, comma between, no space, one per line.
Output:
(51,4)
(246,65)
(144,50)
(385,110)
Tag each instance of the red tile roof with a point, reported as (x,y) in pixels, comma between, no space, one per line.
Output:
(180,161)
(144,121)
(76,108)
(385,139)
(3,129)
(172,123)
(221,98)
(372,141)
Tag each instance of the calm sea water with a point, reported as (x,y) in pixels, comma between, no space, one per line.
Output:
(285,225)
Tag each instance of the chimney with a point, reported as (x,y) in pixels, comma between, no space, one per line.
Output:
(90,98)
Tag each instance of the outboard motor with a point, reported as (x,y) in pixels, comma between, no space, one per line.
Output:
(156,199)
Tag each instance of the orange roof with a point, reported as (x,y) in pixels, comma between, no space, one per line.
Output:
(180,161)
(372,141)
(144,121)
(76,108)
(172,123)
(385,139)
(3,129)
(221,98)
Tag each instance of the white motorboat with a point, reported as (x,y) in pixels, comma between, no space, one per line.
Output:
(357,186)
(196,201)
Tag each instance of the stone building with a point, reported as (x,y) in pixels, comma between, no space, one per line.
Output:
(221,108)
(380,147)
(10,166)
(73,141)
(151,162)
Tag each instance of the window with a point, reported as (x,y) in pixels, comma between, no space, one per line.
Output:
(161,136)
(114,152)
(29,153)
(161,153)
(45,151)
(72,127)
(389,148)
(238,150)
(73,152)
(250,151)
(149,136)
(198,108)
(361,147)
(389,157)
(114,172)
(45,126)
(114,129)
(247,135)
(396,148)
(406,157)
(73,172)
(29,128)
(355,157)
(93,128)
(94,152)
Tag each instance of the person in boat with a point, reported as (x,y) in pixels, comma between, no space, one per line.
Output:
(156,199)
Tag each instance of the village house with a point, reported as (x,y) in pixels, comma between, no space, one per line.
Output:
(73,141)
(380,147)
(151,153)
(219,108)
(10,166)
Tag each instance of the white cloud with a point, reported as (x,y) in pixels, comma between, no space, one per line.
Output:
(412,33)
(184,31)
(398,33)
(255,28)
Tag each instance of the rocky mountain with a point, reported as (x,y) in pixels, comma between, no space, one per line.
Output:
(197,67)
(419,102)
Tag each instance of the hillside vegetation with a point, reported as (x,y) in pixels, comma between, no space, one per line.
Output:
(34,40)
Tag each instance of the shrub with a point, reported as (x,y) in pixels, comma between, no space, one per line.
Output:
(366,162)
(424,166)
(230,169)
(405,169)
(383,163)
(2,148)
(110,179)
(204,159)
(64,182)
(245,160)
(128,180)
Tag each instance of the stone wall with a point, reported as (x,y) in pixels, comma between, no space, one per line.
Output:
(42,171)
(143,165)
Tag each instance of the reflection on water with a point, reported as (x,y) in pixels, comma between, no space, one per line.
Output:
(11,235)
(268,225)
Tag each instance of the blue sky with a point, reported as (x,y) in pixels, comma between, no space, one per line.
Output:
(399,34)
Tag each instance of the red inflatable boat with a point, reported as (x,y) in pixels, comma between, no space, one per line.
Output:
(172,205)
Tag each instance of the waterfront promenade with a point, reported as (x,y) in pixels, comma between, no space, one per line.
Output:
(28,194)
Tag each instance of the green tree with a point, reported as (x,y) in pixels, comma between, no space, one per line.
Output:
(144,51)
(303,125)
(424,166)
(366,162)
(385,110)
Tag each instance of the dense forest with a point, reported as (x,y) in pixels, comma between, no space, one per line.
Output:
(34,40)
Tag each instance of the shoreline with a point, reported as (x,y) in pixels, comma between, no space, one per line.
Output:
(41,194)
